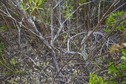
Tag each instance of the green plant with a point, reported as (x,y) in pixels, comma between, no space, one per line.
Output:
(7,67)
(32,5)
(118,71)
(113,19)
(82,1)
(94,79)
(68,9)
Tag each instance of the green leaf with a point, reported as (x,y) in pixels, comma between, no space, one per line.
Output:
(112,69)
(38,64)
(94,79)
(82,1)
(1,46)
(30,1)
(122,66)
(123,58)
(40,2)
(13,61)
(124,53)
(113,19)
(22,5)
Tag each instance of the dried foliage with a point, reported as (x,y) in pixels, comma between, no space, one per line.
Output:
(58,41)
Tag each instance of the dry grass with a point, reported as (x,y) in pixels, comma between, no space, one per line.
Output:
(53,47)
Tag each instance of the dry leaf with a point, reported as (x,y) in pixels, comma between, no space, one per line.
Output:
(123,44)
(124,32)
(114,48)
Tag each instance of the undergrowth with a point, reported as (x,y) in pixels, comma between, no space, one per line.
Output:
(115,21)
(62,42)
(116,69)
(116,73)
(8,67)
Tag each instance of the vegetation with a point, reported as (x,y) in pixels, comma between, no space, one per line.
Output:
(62,41)
(116,72)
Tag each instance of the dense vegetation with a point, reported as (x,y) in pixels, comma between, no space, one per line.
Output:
(62,42)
